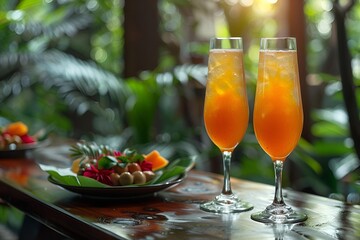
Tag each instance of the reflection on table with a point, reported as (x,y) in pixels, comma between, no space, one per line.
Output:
(170,214)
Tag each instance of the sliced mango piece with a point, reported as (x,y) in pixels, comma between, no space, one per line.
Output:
(156,159)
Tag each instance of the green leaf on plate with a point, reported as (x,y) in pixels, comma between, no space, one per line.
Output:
(72,180)
(107,162)
(130,155)
(186,162)
(170,173)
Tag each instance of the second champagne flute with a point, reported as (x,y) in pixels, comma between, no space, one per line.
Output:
(226,113)
(278,117)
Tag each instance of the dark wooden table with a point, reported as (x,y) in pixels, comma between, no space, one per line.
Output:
(170,214)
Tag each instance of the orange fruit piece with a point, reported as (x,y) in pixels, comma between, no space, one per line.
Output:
(17,128)
(75,167)
(156,159)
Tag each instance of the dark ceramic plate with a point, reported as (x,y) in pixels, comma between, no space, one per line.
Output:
(119,191)
(19,151)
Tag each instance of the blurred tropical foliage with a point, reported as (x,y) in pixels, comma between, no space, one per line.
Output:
(61,68)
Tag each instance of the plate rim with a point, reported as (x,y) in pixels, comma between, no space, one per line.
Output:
(27,146)
(95,192)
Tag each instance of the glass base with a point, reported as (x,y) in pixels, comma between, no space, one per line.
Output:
(278,214)
(226,204)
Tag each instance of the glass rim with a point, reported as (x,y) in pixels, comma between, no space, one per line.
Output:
(226,43)
(226,38)
(278,44)
(278,38)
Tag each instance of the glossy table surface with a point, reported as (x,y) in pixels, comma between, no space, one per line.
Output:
(170,214)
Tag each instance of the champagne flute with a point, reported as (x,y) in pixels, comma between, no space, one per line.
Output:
(278,117)
(226,113)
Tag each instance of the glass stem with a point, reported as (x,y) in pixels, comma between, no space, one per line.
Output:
(226,164)
(278,198)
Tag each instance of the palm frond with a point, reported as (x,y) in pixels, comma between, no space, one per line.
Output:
(83,85)
(68,26)
(35,18)
(89,150)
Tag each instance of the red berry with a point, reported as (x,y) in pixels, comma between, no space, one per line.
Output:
(27,139)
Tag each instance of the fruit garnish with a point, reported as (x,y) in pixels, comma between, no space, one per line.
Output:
(15,134)
(175,170)
(101,175)
(27,139)
(114,167)
(16,128)
(75,167)
(146,166)
(156,159)
(90,150)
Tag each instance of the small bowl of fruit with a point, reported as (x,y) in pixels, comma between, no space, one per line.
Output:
(15,139)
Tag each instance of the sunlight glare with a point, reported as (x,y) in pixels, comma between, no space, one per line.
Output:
(264,7)
(272,1)
(246,3)
(92,5)
(356,66)
(231,2)
(15,15)
(324,27)
(99,54)
(326,5)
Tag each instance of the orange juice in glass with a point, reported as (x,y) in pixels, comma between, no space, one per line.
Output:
(226,113)
(278,117)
